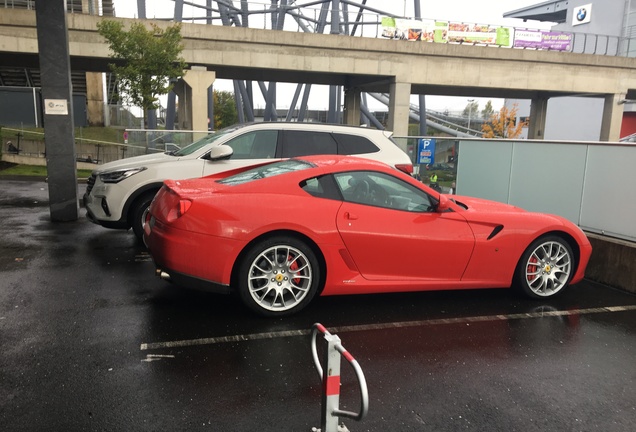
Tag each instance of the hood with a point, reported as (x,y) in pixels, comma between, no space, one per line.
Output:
(484,205)
(135,162)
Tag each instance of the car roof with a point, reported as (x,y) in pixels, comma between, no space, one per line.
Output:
(360,130)
(344,161)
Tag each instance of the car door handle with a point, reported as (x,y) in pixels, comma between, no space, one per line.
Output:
(350,216)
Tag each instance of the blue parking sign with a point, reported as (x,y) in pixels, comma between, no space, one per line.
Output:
(426,151)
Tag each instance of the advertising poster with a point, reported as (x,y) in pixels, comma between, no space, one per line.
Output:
(412,30)
(481,34)
(543,40)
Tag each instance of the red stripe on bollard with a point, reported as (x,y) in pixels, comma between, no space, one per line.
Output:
(333,385)
(348,356)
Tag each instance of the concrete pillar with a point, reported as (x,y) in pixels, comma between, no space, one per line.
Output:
(399,106)
(89,7)
(352,106)
(95,98)
(192,91)
(538,112)
(612,117)
(55,69)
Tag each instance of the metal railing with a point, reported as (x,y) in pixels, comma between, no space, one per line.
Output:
(331,382)
(361,21)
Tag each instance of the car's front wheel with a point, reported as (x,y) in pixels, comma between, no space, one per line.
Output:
(545,268)
(278,276)
(139,212)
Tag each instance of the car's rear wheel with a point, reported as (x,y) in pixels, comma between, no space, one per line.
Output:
(139,213)
(545,268)
(278,276)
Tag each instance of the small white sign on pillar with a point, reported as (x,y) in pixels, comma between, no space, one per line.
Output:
(55,106)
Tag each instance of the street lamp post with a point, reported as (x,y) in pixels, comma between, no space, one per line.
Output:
(470,111)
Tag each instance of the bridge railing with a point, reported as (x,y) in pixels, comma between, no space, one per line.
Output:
(364,21)
(353,21)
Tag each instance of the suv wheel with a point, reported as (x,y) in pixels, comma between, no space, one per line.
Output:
(139,211)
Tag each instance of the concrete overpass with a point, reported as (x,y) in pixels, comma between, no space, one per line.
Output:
(398,68)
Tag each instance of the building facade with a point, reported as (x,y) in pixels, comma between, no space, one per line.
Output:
(602,27)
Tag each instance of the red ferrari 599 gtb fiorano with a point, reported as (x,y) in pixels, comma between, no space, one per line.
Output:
(283,232)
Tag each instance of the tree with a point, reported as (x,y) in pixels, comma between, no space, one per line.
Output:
(225,113)
(503,124)
(150,60)
(472,108)
(488,111)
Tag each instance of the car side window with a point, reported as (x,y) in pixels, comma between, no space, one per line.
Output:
(254,145)
(321,187)
(382,190)
(354,144)
(305,143)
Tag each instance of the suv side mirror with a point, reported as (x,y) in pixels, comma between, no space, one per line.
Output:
(219,152)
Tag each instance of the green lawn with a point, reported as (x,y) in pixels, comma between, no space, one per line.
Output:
(36,171)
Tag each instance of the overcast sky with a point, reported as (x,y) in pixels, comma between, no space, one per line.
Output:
(471,11)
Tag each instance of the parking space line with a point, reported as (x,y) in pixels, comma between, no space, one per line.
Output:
(383,326)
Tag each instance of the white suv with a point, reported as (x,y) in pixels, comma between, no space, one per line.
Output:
(119,193)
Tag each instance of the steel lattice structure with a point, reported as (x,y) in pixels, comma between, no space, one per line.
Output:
(343,17)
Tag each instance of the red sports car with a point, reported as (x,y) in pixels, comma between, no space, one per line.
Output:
(281,233)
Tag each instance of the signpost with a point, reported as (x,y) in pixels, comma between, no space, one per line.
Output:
(426,151)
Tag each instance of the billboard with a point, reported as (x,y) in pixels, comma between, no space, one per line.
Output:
(543,39)
(475,34)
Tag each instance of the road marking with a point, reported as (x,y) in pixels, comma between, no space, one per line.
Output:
(156,357)
(383,326)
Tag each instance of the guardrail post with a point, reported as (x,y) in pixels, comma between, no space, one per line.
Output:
(331,381)
(330,385)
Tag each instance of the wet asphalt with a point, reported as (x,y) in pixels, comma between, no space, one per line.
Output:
(91,340)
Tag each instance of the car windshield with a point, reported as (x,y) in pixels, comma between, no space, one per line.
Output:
(197,145)
(265,171)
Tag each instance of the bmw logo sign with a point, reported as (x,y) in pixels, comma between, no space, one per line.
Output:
(581,14)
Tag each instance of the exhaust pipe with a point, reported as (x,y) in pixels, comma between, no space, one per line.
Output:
(162,274)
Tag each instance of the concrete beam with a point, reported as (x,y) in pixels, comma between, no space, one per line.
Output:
(352,106)
(399,108)
(95,98)
(192,90)
(538,116)
(612,118)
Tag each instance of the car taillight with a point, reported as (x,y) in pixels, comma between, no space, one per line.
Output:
(407,168)
(184,205)
(180,208)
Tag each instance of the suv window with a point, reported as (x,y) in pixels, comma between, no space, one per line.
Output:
(255,145)
(354,144)
(304,143)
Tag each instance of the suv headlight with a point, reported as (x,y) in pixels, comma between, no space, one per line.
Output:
(118,175)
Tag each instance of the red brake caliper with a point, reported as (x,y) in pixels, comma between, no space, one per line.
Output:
(531,269)
(293,267)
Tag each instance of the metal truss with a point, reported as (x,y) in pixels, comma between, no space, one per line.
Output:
(343,17)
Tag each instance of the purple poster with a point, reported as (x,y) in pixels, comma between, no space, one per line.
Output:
(543,39)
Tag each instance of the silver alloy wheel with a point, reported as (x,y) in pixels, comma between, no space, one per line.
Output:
(144,215)
(280,278)
(548,268)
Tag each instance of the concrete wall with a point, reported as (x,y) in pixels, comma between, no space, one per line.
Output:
(612,262)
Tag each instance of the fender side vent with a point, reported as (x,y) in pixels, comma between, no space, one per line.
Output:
(496,231)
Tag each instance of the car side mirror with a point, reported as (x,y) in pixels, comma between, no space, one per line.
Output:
(444,204)
(219,152)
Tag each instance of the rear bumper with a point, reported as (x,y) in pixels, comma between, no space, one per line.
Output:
(193,282)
